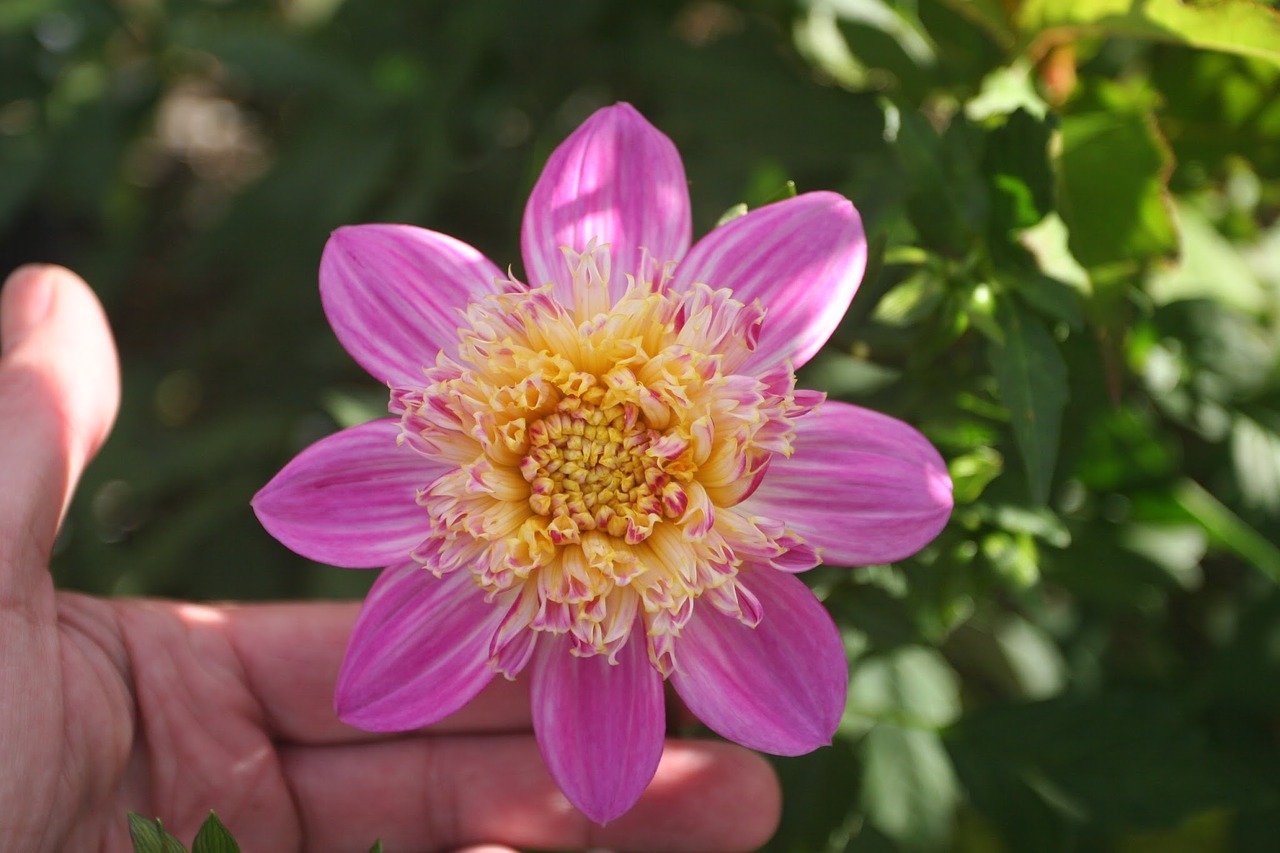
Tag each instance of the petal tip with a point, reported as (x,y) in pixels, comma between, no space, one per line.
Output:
(602,810)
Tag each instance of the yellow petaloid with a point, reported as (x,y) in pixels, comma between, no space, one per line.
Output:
(600,453)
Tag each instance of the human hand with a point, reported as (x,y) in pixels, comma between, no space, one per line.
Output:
(172,709)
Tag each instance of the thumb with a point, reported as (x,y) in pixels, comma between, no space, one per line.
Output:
(59,391)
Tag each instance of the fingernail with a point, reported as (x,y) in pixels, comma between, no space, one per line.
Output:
(24,303)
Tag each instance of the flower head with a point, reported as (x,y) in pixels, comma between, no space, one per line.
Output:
(605,475)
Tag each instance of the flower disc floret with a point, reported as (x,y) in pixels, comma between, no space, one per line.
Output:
(589,464)
(598,460)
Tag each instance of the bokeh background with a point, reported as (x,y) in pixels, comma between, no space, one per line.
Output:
(1074,292)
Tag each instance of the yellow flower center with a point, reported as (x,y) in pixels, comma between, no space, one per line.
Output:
(600,456)
(588,464)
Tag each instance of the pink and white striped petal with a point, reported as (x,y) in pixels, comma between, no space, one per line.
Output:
(599,726)
(392,294)
(618,180)
(349,499)
(803,258)
(779,687)
(864,487)
(419,650)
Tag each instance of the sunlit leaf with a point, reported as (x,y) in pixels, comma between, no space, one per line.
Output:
(912,686)
(971,472)
(1114,172)
(1234,26)
(1255,453)
(1228,530)
(1005,91)
(1209,267)
(1013,557)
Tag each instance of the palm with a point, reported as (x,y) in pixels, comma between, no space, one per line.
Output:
(173,709)
(151,714)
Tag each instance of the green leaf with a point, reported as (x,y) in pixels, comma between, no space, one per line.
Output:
(980,309)
(1215,108)
(972,472)
(1013,557)
(991,15)
(147,834)
(1112,192)
(1255,455)
(377,847)
(911,686)
(1039,522)
(1227,529)
(1016,162)
(1005,91)
(1116,760)
(843,375)
(1209,267)
(150,836)
(948,201)
(819,802)
(909,788)
(1032,378)
(1052,298)
(1234,26)
(1088,570)
(213,837)
(1010,653)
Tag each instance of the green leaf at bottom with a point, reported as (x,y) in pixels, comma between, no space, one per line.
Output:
(213,837)
(150,836)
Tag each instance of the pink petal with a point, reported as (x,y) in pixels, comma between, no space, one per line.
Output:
(599,726)
(418,652)
(617,179)
(803,258)
(779,687)
(392,292)
(863,486)
(349,499)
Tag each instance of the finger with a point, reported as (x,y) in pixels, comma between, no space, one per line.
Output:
(433,793)
(59,390)
(291,653)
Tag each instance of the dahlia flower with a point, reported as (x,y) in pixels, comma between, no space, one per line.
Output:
(604,475)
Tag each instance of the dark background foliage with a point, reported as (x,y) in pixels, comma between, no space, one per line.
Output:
(1073,292)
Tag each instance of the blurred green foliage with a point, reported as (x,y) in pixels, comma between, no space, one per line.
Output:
(1074,292)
